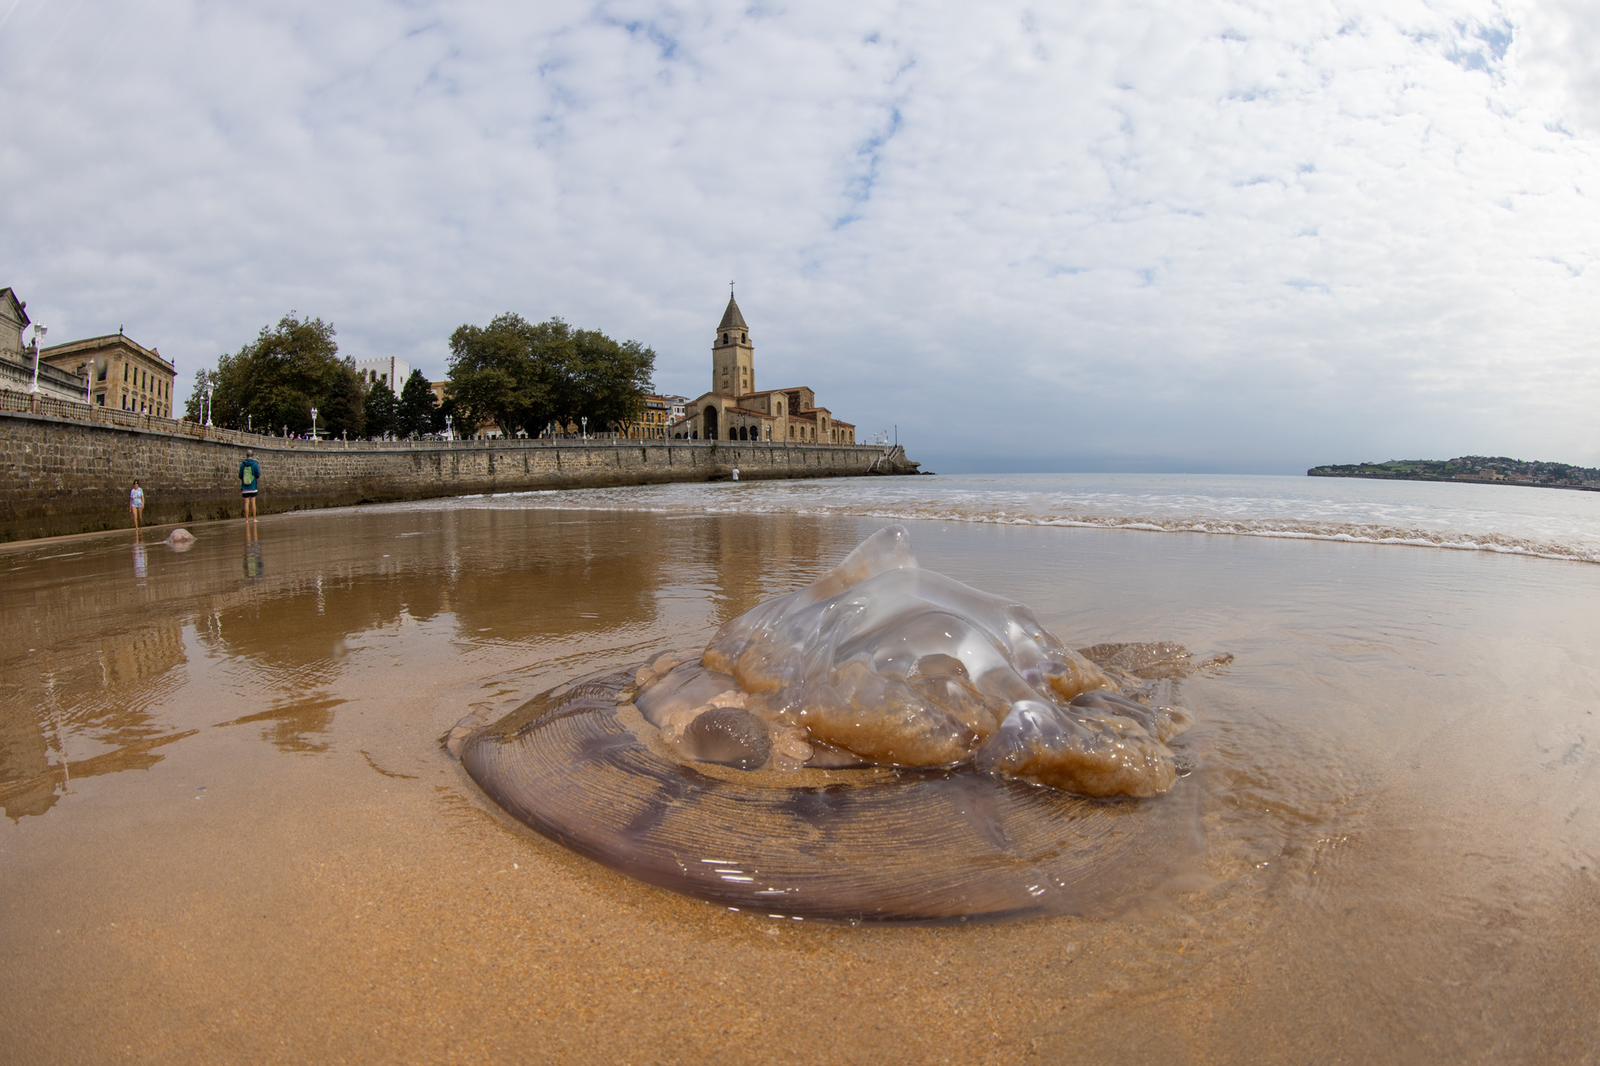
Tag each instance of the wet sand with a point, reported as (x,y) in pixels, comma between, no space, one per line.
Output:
(231,832)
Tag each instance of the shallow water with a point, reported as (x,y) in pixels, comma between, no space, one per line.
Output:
(230,828)
(1505,519)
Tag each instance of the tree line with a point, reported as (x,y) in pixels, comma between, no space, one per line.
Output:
(524,377)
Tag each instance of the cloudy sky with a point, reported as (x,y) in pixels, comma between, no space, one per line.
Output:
(1095,235)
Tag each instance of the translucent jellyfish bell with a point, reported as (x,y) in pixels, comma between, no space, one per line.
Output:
(905,667)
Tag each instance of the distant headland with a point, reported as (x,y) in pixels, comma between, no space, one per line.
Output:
(1494,470)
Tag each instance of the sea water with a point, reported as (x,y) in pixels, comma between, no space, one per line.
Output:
(1512,519)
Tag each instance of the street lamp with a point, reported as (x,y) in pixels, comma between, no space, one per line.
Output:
(585,420)
(210,391)
(38,340)
(313,425)
(449,428)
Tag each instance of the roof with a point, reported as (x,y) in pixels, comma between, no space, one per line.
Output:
(731,318)
(22,308)
(775,392)
(109,340)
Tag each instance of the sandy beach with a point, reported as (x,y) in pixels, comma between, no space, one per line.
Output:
(231,832)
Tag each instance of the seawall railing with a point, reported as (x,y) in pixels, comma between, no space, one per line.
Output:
(39,405)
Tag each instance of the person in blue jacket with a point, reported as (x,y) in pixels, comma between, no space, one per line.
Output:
(249,482)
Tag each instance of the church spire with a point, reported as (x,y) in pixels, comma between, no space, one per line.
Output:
(733,357)
(731,318)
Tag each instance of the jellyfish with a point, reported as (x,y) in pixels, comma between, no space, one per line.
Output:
(885,744)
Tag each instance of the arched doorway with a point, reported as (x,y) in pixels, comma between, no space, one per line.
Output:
(711,423)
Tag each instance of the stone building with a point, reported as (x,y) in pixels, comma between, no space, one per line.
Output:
(13,320)
(736,410)
(127,376)
(389,370)
(657,417)
(18,372)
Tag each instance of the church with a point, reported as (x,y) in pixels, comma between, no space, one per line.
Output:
(736,410)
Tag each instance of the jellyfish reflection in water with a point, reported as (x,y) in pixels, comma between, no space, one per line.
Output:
(885,744)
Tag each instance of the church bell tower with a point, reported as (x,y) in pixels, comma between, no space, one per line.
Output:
(733,357)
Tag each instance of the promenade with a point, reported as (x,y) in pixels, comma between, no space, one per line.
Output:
(72,466)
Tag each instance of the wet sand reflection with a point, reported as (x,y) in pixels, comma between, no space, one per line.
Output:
(277,645)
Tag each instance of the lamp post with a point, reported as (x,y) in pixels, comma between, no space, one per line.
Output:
(585,422)
(38,342)
(210,392)
(449,428)
(313,425)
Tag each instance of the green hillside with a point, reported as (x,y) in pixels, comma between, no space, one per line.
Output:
(1481,468)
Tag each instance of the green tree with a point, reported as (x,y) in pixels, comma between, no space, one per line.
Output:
(344,410)
(461,422)
(418,409)
(380,410)
(524,376)
(277,379)
(193,408)
(611,379)
(502,372)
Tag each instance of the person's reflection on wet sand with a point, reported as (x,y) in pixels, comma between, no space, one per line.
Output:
(253,566)
(141,560)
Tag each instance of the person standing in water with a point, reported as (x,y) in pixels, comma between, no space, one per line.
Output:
(249,482)
(136,505)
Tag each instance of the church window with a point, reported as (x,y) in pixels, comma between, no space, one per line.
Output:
(744,338)
(724,338)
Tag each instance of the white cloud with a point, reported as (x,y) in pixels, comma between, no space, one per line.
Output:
(1224,234)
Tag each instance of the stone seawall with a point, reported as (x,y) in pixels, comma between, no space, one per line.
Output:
(60,476)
